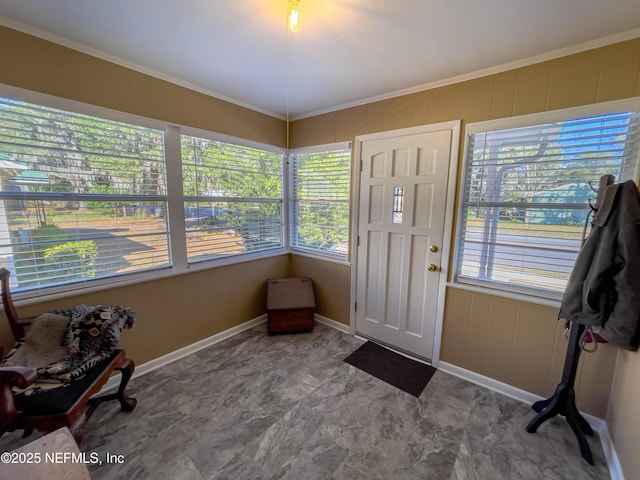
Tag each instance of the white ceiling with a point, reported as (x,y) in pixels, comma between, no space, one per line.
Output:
(346,52)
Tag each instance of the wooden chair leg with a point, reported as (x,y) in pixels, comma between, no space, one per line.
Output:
(78,428)
(127,403)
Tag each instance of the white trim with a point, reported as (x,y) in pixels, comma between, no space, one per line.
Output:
(455,127)
(506,290)
(223,137)
(341,327)
(403,132)
(562,52)
(356,169)
(321,148)
(615,469)
(319,255)
(175,199)
(508,390)
(291,197)
(552,116)
(598,425)
(76,106)
(156,363)
(543,57)
(449,213)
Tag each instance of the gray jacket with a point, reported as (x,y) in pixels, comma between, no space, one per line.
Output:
(604,286)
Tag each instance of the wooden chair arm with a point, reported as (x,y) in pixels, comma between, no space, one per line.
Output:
(20,377)
(17,376)
(16,322)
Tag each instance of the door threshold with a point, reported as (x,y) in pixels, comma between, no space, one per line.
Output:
(411,356)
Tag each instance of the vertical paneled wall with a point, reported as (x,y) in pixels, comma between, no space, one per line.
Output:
(35,64)
(521,344)
(177,311)
(515,342)
(331,284)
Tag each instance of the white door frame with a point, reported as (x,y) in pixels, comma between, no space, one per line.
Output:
(454,127)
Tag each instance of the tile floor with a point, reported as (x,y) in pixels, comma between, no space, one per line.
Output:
(287,406)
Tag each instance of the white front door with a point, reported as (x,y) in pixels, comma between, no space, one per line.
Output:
(401,223)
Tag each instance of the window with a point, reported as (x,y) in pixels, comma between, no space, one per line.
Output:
(525,197)
(320,200)
(232,198)
(89,196)
(81,197)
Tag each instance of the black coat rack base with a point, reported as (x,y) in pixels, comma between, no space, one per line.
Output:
(563,401)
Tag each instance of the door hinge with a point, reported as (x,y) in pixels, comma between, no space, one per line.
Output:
(360,165)
(358,244)
(356,307)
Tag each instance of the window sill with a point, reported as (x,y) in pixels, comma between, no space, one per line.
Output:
(327,257)
(494,292)
(124,280)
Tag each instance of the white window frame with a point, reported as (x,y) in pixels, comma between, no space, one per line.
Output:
(225,260)
(518,293)
(306,251)
(175,201)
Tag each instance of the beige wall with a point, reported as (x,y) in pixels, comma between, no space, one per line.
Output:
(331,284)
(521,344)
(176,311)
(515,342)
(599,75)
(34,64)
(623,415)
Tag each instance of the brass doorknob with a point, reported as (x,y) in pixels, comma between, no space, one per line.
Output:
(433,248)
(432,267)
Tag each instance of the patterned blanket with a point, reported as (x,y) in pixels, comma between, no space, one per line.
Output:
(91,335)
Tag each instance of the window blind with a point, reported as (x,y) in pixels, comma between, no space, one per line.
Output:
(526,196)
(80,196)
(320,200)
(233,198)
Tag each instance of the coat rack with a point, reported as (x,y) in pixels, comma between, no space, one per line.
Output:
(563,401)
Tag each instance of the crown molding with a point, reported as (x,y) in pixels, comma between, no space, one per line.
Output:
(543,57)
(65,42)
(553,54)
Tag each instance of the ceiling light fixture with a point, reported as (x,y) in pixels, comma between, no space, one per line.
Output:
(293,16)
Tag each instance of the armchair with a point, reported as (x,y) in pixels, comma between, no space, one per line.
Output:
(72,402)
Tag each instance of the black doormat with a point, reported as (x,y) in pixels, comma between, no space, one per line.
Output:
(404,373)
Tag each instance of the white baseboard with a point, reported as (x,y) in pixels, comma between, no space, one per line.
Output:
(510,391)
(529,398)
(151,365)
(615,469)
(332,323)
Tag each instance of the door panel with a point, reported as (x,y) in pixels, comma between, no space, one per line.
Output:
(403,192)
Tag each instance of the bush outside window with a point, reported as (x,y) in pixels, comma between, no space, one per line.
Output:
(320,199)
(232,198)
(80,197)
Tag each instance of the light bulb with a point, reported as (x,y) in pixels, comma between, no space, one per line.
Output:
(294,17)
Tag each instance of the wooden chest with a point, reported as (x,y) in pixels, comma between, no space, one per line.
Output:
(290,305)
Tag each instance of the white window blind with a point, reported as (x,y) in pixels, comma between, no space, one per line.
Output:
(81,197)
(233,198)
(320,200)
(526,196)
